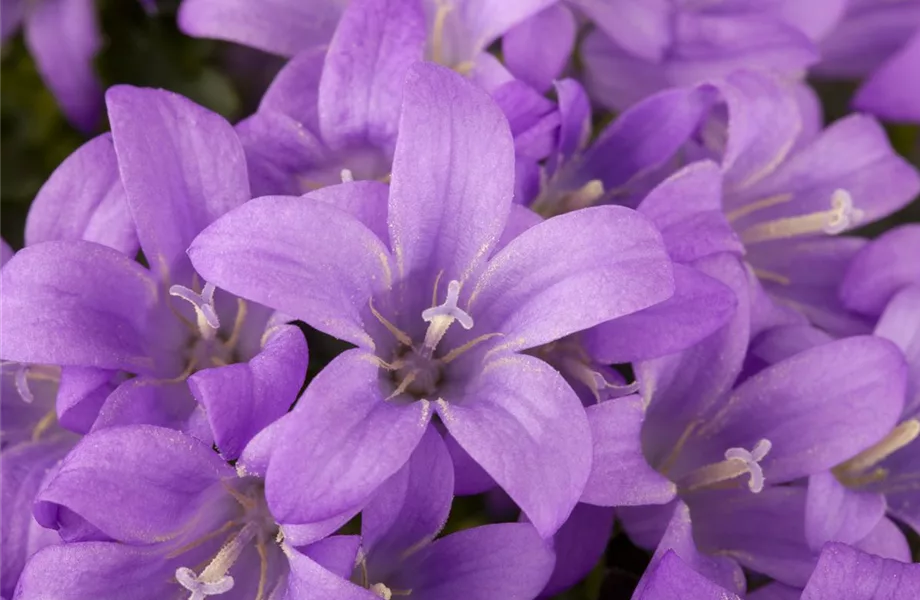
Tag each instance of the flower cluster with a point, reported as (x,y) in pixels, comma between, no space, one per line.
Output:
(659,320)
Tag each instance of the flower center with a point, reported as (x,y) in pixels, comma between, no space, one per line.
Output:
(738,462)
(207,347)
(258,527)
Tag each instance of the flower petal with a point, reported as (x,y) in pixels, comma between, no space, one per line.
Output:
(492,562)
(620,475)
(272,249)
(361,89)
(537,50)
(700,306)
(834,513)
(453,176)
(892,91)
(84,200)
(241,399)
(843,569)
(138,484)
(687,209)
(63,37)
(881,269)
(76,303)
(277,26)
(410,508)
(671,577)
(182,167)
(525,426)
(570,273)
(341,443)
(579,545)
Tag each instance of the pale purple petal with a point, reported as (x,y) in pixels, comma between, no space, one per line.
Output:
(242,399)
(834,513)
(881,269)
(118,571)
(893,92)
(81,393)
(272,249)
(76,303)
(672,578)
(84,200)
(700,305)
(341,442)
(900,323)
(182,167)
(537,50)
(525,426)
(63,37)
(360,92)
(278,26)
(687,209)
(145,401)
(620,475)
(641,28)
(816,19)
(138,484)
(844,571)
(887,541)
(295,89)
(570,273)
(410,508)
(492,562)
(453,176)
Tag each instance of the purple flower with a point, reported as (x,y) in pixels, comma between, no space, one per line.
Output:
(705,433)
(413,275)
(104,318)
(337,112)
(458,30)
(788,188)
(667,44)
(147,511)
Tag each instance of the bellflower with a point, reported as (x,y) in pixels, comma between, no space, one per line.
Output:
(104,318)
(788,188)
(413,276)
(726,448)
(339,110)
(458,30)
(684,43)
(150,512)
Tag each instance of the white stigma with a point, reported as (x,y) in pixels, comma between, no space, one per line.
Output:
(441,317)
(214,579)
(22,384)
(841,216)
(738,462)
(208,323)
(201,589)
(347,176)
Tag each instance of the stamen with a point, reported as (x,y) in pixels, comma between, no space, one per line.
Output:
(214,579)
(738,462)
(437,32)
(747,209)
(765,275)
(401,336)
(851,471)
(42,426)
(840,217)
(208,323)
(441,317)
(234,339)
(456,352)
(22,384)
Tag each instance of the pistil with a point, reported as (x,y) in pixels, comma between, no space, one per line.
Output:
(738,462)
